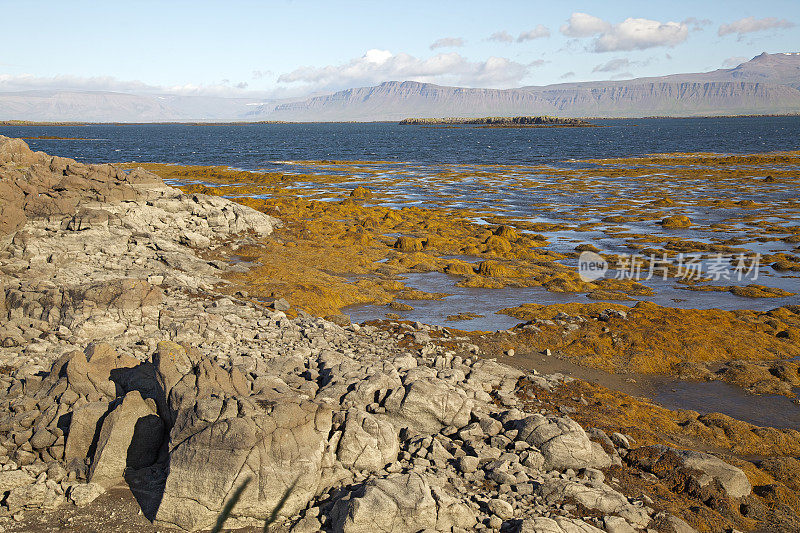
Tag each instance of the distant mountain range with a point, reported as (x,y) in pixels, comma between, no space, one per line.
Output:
(767,84)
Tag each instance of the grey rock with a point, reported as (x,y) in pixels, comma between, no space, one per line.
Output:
(130,437)
(12,479)
(84,494)
(602,498)
(428,405)
(562,442)
(367,443)
(83,429)
(559,524)
(398,504)
(279,444)
(501,508)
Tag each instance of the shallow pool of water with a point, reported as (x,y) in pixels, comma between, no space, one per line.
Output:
(719,397)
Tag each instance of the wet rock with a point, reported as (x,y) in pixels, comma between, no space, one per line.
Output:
(409,244)
(676,221)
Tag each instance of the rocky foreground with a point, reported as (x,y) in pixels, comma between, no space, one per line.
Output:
(122,364)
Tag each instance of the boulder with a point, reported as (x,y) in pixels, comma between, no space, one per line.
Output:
(559,524)
(16,151)
(601,498)
(130,437)
(501,508)
(704,468)
(37,496)
(428,405)
(85,494)
(450,511)
(89,372)
(12,213)
(397,504)
(12,479)
(367,443)
(563,443)
(84,427)
(278,443)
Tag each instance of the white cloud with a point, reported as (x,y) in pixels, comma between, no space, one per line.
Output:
(734,61)
(640,34)
(447,42)
(614,65)
(29,82)
(630,34)
(696,23)
(751,24)
(501,37)
(567,75)
(539,32)
(584,25)
(377,66)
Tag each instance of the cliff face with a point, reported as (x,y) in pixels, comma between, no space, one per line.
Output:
(768,83)
(394,101)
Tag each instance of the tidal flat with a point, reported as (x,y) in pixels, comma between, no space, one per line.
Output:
(371,239)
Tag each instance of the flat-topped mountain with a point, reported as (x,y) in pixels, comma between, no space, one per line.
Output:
(767,84)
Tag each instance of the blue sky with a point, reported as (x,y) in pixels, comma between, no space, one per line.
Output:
(290,48)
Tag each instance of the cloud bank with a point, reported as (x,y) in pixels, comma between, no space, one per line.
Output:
(378,66)
(29,82)
(447,42)
(615,65)
(752,24)
(630,34)
(539,32)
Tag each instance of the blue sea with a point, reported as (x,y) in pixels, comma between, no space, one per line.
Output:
(251,146)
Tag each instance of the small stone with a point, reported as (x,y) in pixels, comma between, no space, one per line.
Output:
(85,494)
(501,509)
(620,440)
(468,464)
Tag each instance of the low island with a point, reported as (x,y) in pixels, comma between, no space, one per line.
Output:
(499,122)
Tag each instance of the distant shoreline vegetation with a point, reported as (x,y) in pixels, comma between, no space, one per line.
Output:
(500,122)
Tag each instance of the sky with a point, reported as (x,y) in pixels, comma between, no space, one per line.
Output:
(290,48)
